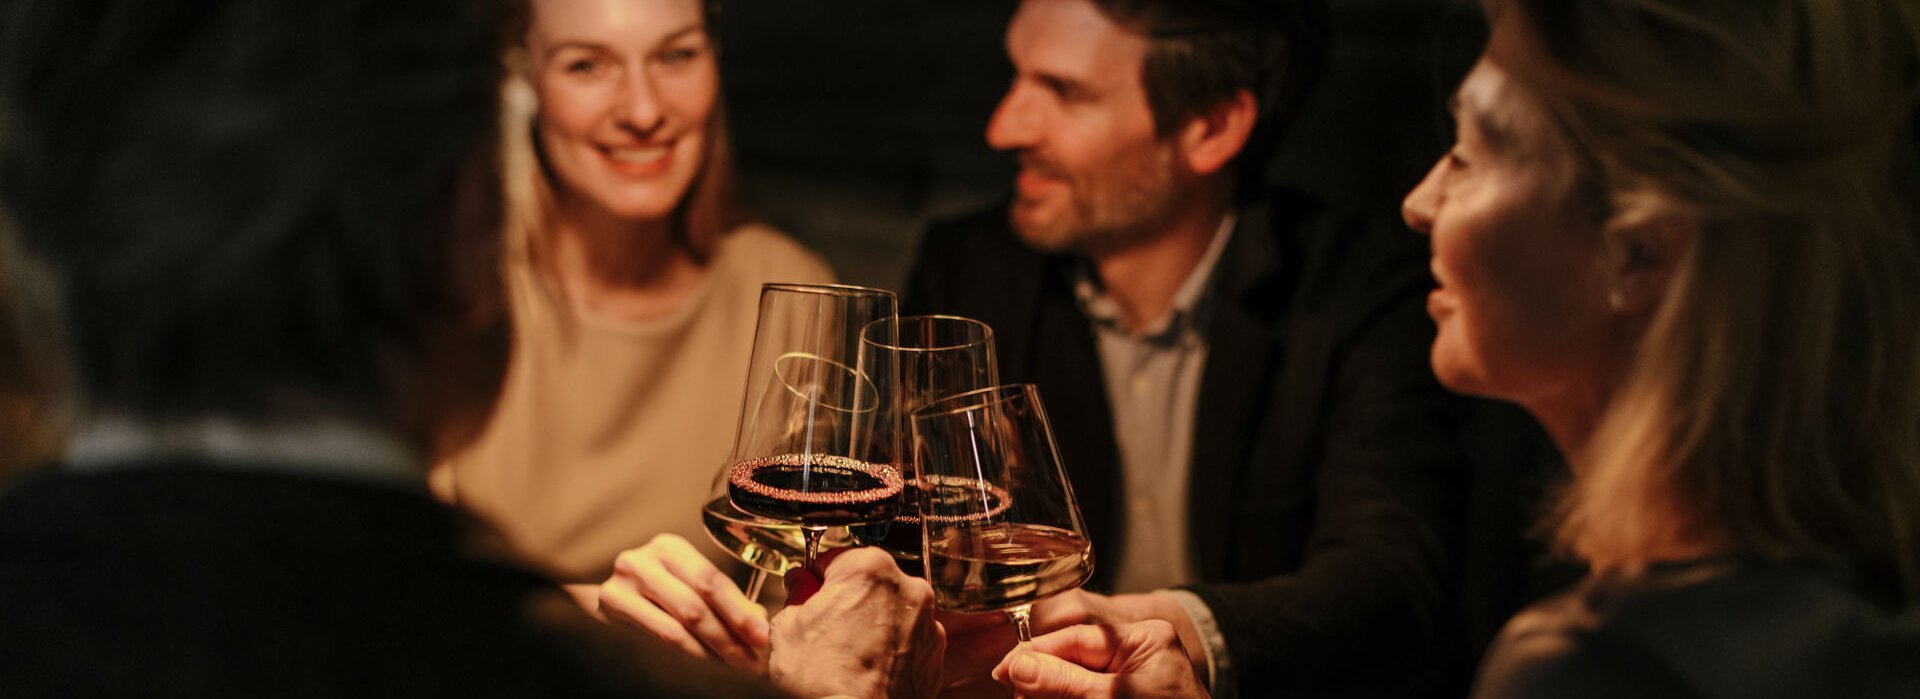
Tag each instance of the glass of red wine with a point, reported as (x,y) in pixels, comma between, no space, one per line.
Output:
(936,356)
(815,447)
(1000,527)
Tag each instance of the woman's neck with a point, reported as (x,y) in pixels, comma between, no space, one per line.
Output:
(1570,418)
(620,268)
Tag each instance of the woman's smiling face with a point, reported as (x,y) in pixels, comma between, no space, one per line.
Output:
(627,94)
(1522,302)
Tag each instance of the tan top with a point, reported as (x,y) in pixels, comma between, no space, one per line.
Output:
(609,432)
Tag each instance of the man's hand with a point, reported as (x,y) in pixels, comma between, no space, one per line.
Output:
(1138,659)
(868,632)
(671,591)
(979,642)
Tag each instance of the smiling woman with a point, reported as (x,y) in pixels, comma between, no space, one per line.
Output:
(634,283)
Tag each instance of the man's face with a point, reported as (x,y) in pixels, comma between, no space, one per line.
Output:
(1094,173)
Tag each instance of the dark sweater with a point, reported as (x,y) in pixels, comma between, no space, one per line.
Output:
(183,579)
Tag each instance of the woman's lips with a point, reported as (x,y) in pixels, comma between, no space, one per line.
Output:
(640,160)
(1439,302)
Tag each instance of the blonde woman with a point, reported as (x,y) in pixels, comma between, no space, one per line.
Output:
(634,285)
(1685,235)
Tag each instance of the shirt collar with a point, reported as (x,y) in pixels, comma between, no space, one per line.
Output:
(1191,300)
(333,448)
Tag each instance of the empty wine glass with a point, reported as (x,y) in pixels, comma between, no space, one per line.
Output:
(814,448)
(936,356)
(1000,526)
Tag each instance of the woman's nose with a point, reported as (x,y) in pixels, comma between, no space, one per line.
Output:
(1420,205)
(638,107)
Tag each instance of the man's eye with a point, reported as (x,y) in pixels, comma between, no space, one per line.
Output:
(582,66)
(1455,161)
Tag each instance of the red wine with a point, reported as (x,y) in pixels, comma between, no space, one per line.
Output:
(815,489)
(953,499)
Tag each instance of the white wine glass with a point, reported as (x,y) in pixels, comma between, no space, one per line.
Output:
(1001,529)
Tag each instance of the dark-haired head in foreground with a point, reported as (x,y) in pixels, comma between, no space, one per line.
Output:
(270,226)
(259,209)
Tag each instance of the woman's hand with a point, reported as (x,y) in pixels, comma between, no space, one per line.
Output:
(671,591)
(1137,659)
(867,632)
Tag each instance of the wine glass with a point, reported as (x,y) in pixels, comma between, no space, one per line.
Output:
(813,449)
(1001,529)
(936,356)
(769,546)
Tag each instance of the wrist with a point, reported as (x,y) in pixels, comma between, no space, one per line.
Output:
(1169,606)
(830,680)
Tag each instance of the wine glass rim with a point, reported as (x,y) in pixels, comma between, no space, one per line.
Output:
(985,338)
(825,289)
(975,400)
(865,385)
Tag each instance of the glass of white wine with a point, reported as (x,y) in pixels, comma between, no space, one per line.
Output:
(1003,531)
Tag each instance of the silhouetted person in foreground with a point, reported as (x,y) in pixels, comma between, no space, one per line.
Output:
(274,231)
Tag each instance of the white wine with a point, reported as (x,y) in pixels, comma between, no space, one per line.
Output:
(994,567)
(770,545)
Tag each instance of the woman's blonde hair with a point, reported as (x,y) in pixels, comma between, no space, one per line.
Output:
(1773,405)
(706,213)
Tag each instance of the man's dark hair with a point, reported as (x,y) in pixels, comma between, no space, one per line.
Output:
(254,207)
(1201,52)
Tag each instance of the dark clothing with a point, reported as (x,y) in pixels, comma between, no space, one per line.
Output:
(1714,628)
(182,579)
(1327,476)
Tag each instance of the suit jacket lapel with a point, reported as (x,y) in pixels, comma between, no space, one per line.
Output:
(1241,356)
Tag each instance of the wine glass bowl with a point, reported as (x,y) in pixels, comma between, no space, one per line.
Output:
(817,441)
(934,356)
(1001,530)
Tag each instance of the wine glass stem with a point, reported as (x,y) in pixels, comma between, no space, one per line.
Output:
(755,583)
(812,535)
(1020,615)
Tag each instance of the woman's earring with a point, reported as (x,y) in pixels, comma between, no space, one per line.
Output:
(1617,298)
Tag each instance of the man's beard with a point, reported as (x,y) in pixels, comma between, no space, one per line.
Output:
(1111,211)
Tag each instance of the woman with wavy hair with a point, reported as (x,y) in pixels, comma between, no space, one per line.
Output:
(634,282)
(1685,236)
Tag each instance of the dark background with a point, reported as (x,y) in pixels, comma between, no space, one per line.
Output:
(856,122)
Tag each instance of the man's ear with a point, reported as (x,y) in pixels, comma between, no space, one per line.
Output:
(1211,140)
(1643,259)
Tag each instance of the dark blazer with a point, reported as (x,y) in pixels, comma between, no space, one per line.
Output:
(1327,476)
(181,579)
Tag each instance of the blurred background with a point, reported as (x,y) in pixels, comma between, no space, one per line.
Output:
(856,122)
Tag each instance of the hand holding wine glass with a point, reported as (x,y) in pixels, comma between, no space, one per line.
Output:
(668,589)
(868,631)
(1009,533)
(1090,662)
